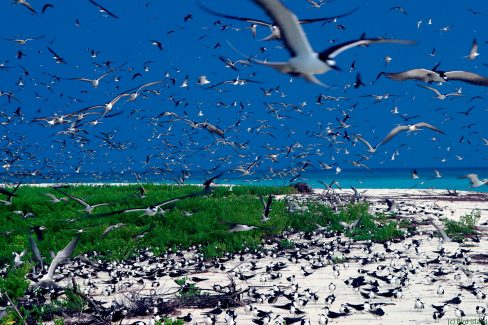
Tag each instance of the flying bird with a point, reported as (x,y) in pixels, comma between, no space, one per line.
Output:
(304,61)
(56,56)
(439,94)
(275,30)
(103,9)
(25,4)
(46,6)
(48,279)
(430,76)
(266,208)
(473,53)
(88,208)
(475,181)
(409,128)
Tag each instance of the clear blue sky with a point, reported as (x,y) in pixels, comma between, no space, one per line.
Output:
(193,48)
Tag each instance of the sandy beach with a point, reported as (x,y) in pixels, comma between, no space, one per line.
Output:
(318,271)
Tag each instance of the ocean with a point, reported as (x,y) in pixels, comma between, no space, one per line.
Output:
(451,178)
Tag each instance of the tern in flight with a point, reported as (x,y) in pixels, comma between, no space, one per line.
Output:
(409,128)
(304,61)
(48,279)
(433,75)
(475,181)
(88,208)
(439,94)
(94,82)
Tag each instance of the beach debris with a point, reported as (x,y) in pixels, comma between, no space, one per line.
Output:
(441,231)
(303,188)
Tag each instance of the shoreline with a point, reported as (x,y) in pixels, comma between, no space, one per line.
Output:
(315,189)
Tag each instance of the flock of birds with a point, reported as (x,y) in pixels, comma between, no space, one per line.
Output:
(187,138)
(279,142)
(278,284)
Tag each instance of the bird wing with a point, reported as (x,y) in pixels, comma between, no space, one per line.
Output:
(360,138)
(292,32)
(417,74)
(468,77)
(219,14)
(335,50)
(474,48)
(62,255)
(394,132)
(52,196)
(103,9)
(427,125)
(473,178)
(431,89)
(267,206)
(80,201)
(35,250)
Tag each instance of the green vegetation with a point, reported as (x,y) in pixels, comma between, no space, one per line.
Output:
(370,227)
(202,221)
(466,225)
(187,290)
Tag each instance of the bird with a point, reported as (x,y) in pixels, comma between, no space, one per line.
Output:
(473,53)
(419,305)
(371,149)
(112,227)
(410,128)
(304,61)
(475,181)
(55,199)
(94,82)
(459,313)
(18,258)
(88,208)
(454,301)
(415,174)
(266,208)
(46,6)
(439,94)
(25,4)
(103,9)
(438,315)
(241,228)
(56,57)
(48,279)
(275,30)
(430,76)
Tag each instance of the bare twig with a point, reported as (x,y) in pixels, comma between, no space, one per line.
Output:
(15,308)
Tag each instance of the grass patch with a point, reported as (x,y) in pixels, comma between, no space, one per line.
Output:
(466,225)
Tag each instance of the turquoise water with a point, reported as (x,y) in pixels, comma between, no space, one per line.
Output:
(375,178)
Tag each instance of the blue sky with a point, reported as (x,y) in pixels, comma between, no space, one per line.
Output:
(192,48)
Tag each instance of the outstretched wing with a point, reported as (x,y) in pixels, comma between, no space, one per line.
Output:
(468,77)
(292,32)
(62,255)
(335,50)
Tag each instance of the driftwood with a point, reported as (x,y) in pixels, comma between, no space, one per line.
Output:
(445,237)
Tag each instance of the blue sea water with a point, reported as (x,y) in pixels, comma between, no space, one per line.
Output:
(399,178)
